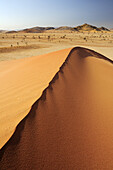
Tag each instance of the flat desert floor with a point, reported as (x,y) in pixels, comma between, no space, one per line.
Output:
(20,45)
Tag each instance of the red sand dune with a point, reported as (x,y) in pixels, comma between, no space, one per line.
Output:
(71,125)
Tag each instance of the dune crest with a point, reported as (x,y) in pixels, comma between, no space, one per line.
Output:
(70,125)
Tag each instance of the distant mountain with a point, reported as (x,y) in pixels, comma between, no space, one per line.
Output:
(1,31)
(87,27)
(84,27)
(9,32)
(103,29)
(65,28)
(36,29)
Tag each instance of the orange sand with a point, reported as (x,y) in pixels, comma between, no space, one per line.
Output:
(21,83)
(71,125)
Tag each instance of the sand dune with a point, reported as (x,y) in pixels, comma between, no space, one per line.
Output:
(21,83)
(70,126)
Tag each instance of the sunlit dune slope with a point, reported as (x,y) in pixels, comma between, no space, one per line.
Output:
(21,84)
(71,125)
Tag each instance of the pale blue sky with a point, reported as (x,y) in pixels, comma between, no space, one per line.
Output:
(18,14)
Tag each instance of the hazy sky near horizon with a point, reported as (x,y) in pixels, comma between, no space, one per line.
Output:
(18,14)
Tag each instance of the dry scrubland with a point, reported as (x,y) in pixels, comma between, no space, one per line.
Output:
(20,45)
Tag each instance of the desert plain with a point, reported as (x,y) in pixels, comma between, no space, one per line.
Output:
(21,45)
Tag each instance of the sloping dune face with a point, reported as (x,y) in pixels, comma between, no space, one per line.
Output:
(21,84)
(71,125)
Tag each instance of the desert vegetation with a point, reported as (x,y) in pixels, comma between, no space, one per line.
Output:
(21,41)
(35,38)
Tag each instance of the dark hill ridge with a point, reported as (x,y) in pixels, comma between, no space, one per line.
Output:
(65,28)
(36,29)
(9,32)
(33,30)
(84,27)
(87,27)
(103,29)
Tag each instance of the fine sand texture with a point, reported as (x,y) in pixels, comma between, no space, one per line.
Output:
(71,125)
(21,84)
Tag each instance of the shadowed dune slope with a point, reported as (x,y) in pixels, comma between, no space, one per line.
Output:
(71,125)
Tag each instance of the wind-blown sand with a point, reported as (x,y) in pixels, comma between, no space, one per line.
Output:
(71,125)
(21,84)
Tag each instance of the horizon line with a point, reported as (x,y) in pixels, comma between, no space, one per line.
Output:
(28,27)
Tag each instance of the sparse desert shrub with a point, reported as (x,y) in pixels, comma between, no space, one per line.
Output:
(48,37)
(63,37)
